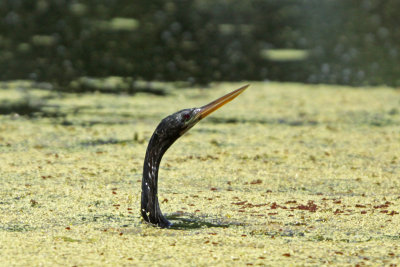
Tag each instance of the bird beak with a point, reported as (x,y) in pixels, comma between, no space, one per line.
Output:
(216,104)
(206,110)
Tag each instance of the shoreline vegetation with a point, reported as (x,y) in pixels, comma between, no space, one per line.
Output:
(307,175)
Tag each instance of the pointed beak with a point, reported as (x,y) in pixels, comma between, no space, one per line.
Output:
(216,104)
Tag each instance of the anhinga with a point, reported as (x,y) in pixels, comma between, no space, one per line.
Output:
(166,133)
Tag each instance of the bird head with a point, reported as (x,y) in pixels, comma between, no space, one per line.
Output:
(187,118)
(175,125)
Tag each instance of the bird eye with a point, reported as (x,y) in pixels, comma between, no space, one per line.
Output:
(186,116)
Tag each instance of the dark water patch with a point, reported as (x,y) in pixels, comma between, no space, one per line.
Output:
(274,233)
(218,120)
(110,141)
(305,122)
(21,108)
(182,222)
(16,228)
(107,119)
(148,90)
(207,130)
(391,237)
(93,122)
(375,119)
(118,86)
(31,110)
(382,123)
(130,91)
(394,111)
(103,218)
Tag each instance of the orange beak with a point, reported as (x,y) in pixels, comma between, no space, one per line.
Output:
(216,104)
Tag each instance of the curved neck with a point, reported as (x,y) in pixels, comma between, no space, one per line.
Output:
(150,208)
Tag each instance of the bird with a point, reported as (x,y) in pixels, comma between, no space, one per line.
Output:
(166,133)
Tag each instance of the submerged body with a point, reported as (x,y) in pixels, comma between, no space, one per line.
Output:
(166,133)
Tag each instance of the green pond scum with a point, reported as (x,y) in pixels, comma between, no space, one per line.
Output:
(287,174)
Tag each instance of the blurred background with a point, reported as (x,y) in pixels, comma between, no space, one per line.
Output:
(67,42)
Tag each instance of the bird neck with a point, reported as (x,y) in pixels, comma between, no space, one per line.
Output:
(150,207)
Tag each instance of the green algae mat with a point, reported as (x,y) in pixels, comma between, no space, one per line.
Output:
(286,174)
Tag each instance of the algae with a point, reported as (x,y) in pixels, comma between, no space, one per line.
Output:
(286,174)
